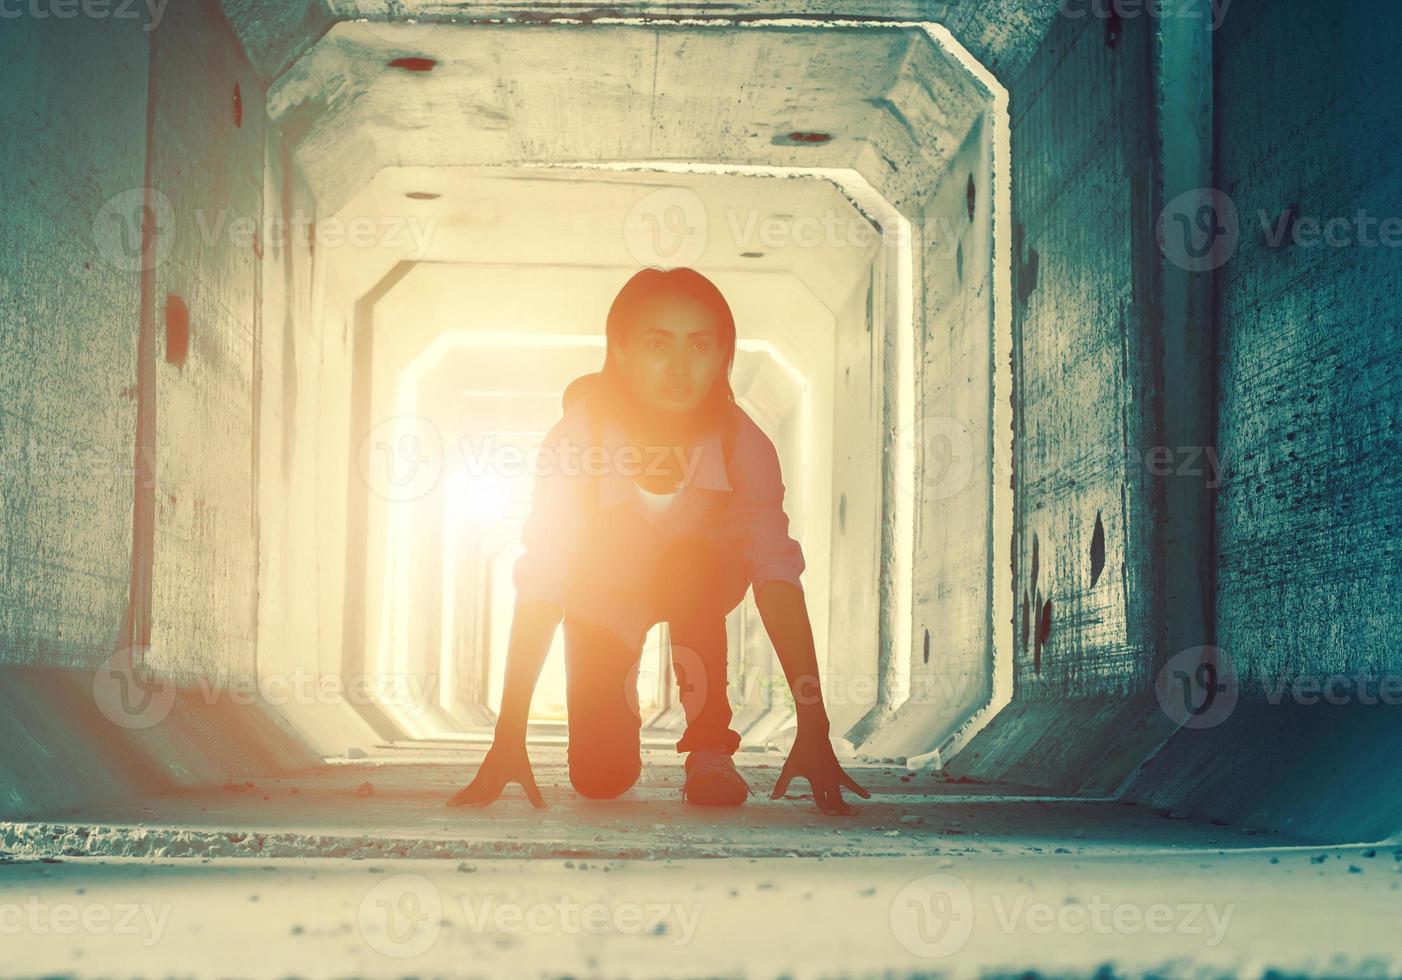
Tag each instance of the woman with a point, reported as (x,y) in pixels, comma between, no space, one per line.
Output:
(659,500)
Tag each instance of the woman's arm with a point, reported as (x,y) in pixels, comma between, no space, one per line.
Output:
(784,610)
(533,624)
(785,614)
(774,563)
(540,577)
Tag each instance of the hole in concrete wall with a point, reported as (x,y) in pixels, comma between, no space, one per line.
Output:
(842,512)
(959,262)
(1026,619)
(751,255)
(1097,550)
(971,194)
(802,138)
(1045,626)
(927,646)
(1027,262)
(177,330)
(1114,28)
(1036,561)
(414,64)
(1037,639)
(238,106)
(422,196)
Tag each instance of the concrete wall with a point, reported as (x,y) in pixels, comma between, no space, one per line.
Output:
(1084,315)
(114,353)
(304,458)
(208,160)
(852,659)
(70,314)
(1310,383)
(1306,425)
(1082,172)
(1310,336)
(951,662)
(1002,34)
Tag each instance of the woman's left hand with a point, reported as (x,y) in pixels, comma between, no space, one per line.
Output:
(812,758)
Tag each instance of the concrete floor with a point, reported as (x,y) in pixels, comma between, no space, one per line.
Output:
(303,876)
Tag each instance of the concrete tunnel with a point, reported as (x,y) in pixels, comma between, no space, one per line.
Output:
(1074,326)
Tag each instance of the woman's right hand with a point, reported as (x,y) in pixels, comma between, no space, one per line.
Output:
(506,762)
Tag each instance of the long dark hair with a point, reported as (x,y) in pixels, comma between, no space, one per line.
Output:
(646,286)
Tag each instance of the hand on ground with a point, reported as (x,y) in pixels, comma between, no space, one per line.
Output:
(812,758)
(505,763)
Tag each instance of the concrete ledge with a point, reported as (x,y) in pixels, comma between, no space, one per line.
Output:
(329,729)
(59,751)
(1320,772)
(917,728)
(62,750)
(1086,747)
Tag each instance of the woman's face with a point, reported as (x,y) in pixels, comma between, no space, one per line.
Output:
(672,355)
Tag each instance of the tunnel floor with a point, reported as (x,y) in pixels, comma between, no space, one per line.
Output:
(315,868)
(394,806)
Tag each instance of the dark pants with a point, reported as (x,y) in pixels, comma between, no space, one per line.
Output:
(695,586)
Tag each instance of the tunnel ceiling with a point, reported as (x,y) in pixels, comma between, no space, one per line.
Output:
(890,103)
(1002,34)
(554,218)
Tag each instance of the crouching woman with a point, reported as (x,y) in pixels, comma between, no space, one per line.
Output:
(659,499)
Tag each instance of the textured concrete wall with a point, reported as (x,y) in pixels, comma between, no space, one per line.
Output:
(1082,175)
(888,102)
(127,367)
(75,320)
(856,516)
(304,460)
(1306,431)
(1309,571)
(208,160)
(69,318)
(951,662)
(1310,383)
(1088,604)
(1000,33)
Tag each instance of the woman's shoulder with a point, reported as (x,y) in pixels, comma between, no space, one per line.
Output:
(564,441)
(752,451)
(746,430)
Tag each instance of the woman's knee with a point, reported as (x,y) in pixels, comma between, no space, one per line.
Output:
(603,780)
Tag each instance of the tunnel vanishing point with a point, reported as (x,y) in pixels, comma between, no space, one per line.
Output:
(1076,328)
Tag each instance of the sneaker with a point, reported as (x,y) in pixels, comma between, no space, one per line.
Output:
(713,780)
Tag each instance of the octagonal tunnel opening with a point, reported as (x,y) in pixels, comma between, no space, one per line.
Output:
(869,299)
